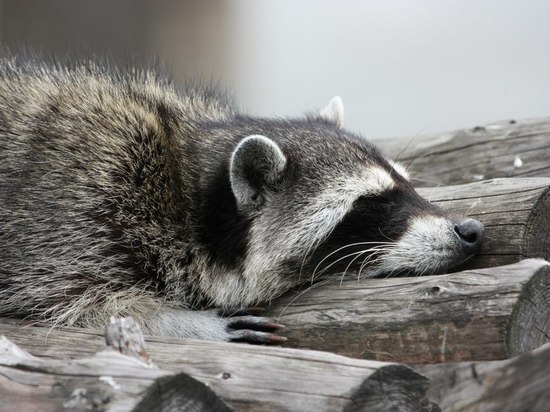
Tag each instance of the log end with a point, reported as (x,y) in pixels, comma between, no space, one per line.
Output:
(392,387)
(180,392)
(529,325)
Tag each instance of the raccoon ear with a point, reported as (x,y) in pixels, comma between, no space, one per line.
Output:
(334,112)
(256,164)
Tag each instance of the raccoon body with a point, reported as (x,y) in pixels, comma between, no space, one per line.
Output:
(121,196)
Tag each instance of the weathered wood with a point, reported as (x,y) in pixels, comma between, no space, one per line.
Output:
(482,314)
(515,212)
(246,377)
(469,155)
(111,379)
(125,336)
(519,384)
(179,392)
(108,378)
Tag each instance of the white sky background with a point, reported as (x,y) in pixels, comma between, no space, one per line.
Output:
(401,67)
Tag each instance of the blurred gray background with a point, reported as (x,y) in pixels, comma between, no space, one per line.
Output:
(402,67)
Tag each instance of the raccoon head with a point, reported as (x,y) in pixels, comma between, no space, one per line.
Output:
(319,200)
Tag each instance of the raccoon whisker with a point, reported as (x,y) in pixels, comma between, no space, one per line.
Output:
(375,249)
(441,184)
(324,269)
(304,261)
(353,260)
(370,260)
(310,287)
(374,254)
(425,270)
(433,182)
(341,248)
(390,273)
(418,158)
(369,271)
(472,207)
(367,261)
(433,191)
(387,237)
(319,242)
(370,267)
(398,157)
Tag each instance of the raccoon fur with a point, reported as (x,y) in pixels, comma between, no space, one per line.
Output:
(120,195)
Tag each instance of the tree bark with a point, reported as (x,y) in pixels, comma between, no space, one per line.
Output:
(482,314)
(247,378)
(515,212)
(519,384)
(479,153)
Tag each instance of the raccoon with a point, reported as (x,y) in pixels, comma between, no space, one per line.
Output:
(122,195)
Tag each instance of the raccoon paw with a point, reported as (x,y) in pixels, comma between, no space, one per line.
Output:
(244,325)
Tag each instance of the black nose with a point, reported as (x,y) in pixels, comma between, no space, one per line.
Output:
(470,234)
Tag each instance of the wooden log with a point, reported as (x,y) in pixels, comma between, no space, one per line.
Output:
(515,212)
(246,377)
(119,378)
(482,314)
(479,153)
(519,384)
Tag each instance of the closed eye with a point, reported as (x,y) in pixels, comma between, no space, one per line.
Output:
(385,199)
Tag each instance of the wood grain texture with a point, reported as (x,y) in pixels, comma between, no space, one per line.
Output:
(478,153)
(483,314)
(106,379)
(518,384)
(515,212)
(246,377)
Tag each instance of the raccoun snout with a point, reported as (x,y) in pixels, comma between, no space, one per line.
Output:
(470,234)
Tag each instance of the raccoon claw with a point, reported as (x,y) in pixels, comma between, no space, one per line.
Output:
(244,326)
(253,322)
